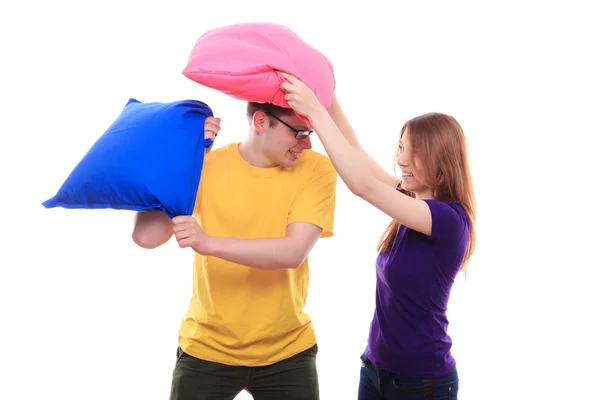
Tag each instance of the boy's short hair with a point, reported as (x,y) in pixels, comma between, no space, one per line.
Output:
(268,108)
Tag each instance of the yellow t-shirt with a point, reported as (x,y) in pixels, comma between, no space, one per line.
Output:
(246,316)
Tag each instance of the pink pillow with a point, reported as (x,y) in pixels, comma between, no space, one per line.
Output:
(240,60)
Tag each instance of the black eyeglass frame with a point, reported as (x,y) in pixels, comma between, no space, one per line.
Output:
(300,133)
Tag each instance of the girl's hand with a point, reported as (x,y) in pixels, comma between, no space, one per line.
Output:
(299,96)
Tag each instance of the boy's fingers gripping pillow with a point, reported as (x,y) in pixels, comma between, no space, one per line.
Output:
(150,158)
(240,60)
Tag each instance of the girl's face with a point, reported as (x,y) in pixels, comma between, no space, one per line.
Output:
(412,169)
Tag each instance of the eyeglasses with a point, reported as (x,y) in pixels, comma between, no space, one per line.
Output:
(300,133)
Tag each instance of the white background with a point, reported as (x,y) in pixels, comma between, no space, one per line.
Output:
(85,314)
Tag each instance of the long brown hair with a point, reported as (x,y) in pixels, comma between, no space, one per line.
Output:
(440,144)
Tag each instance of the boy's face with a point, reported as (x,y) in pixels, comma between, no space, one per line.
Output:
(280,143)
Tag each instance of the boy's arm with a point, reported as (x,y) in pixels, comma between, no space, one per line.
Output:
(310,217)
(151,229)
(288,252)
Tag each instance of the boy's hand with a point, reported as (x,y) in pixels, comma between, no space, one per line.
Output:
(212,126)
(189,234)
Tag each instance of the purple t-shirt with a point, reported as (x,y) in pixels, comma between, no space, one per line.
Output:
(408,335)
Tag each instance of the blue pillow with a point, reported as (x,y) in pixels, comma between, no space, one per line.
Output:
(150,158)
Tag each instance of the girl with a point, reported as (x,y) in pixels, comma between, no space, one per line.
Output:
(428,242)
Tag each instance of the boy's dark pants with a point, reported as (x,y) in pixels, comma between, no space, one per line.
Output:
(290,379)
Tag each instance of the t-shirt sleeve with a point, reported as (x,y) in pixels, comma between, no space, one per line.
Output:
(315,202)
(448,221)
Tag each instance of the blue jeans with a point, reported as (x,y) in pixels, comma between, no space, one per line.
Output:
(378,384)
